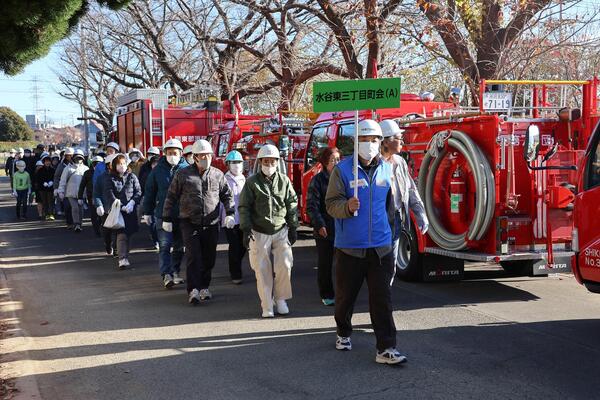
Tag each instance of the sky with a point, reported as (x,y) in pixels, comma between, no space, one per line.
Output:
(17,92)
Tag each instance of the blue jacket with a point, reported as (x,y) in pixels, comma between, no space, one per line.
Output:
(371,227)
(98,189)
(98,172)
(157,186)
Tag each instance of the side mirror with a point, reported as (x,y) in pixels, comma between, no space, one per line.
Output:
(532,143)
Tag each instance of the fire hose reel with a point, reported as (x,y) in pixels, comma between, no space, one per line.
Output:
(438,148)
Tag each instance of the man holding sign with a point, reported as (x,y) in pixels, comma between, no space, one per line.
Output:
(363,208)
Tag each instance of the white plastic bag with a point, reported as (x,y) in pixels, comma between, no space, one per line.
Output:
(115,219)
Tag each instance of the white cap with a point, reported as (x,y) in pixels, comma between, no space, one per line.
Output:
(173,144)
(368,127)
(202,147)
(77,152)
(134,150)
(187,149)
(390,128)
(97,159)
(20,163)
(12,151)
(268,151)
(69,151)
(153,150)
(20,150)
(39,163)
(109,158)
(113,145)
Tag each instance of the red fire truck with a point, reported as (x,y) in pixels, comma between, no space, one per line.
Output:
(498,183)
(150,117)
(586,235)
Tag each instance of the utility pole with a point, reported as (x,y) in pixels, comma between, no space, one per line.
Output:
(86,134)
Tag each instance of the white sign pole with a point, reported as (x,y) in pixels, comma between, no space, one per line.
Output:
(356,157)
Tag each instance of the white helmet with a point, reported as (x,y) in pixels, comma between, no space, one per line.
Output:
(109,158)
(173,144)
(268,151)
(153,151)
(69,151)
(368,127)
(201,147)
(20,150)
(114,146)
(134,150)
(389,128)
(187,149)
(77,152)
(12,151)
(39,163)
(97,159)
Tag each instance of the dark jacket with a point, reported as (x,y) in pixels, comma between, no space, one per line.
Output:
(145,171)
(98,189)
(87,185)
(198,196)
(124,188)
(315,205)
(157,186)
(45,174)
(8,166)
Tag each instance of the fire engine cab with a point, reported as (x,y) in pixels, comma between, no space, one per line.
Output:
(586,235)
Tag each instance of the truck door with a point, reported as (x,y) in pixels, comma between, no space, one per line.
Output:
(587,220)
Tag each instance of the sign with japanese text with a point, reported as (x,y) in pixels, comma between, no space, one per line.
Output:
(351,95)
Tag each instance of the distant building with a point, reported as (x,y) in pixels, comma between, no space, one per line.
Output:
(32,121)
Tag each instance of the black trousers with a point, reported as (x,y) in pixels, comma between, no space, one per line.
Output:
(350,274)
(235,238)
(109,236)
(22,203)
(325,252)
(96,220)
(200,253)
(47,200)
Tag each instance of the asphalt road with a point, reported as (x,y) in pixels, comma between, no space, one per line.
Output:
(80,329)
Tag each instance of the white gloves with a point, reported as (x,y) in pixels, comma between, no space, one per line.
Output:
(167,226)
(14,193)
(45,184)
(55,192)
(128,208)
(80,202)
(61,195)
(147,219)
(424,228)
(100,211)
(229,222)
(51,183)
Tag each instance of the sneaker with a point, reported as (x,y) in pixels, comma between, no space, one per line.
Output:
(268,314)
(282,307)
(156,246)
(194,297)
(123,263)
(109,250)
(177,279)
(47,218)
(205,294)
(51,218)
(168,281)
(77,228)
(328,302)
(343,343)
(390,356)
(69,227)
(236,281)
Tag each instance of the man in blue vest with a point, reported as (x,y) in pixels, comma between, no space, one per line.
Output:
(363,241)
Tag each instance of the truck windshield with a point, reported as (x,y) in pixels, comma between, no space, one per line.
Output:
(318,141)
(345,139)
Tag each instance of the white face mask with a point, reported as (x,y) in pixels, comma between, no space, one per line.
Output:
(79,161)
(134,158)
(368,150)
(203,164)
(173,160)
(236,169)
(268,170)
(121,168)
(21,169)
(190,159)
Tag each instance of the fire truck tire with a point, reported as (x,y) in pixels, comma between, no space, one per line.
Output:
(518,268)
(409,264)
(592,287)
(484,189)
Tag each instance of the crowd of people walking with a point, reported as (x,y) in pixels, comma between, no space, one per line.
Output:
(185,202)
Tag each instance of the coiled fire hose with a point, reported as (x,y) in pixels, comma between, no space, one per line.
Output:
(484,188)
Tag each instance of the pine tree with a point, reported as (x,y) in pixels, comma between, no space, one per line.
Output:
(13,127)
(29,28)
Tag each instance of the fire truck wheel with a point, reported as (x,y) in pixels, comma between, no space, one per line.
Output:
(409,264)
(518,268)
(592,287)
